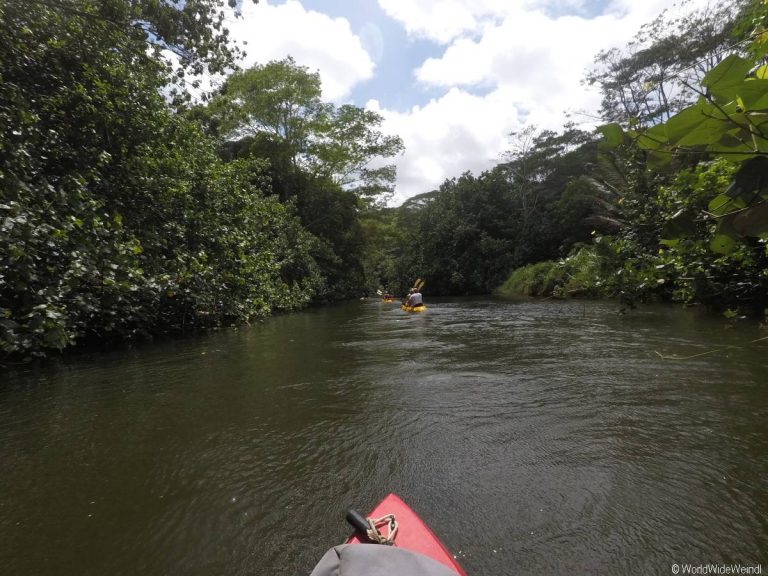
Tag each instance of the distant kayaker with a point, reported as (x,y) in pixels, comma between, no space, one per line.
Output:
(414,298)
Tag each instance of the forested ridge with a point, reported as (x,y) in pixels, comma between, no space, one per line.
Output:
(129,209)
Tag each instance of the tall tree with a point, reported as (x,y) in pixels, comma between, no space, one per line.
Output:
(278,107)
(280,100)
(652,78)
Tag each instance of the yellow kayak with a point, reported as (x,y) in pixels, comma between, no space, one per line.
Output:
(388,300)
(419,308)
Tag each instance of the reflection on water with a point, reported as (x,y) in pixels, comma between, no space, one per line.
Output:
(534,438)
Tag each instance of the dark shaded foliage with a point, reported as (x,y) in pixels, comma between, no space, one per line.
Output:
(117,219)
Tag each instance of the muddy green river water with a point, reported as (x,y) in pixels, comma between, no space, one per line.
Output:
(533,438)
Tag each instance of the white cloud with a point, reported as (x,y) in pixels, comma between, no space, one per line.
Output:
(504,64)
(313,39)
(528,63)
(527,49)
(448,136)
(439,20)
(445,20)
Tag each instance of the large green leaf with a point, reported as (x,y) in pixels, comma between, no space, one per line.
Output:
(680,225)
(654,138)
(655,142)
(724,204)
(753,94)
(613,136)
(686,125)
(723,244)
(736,139)
(705,134)
(724,79)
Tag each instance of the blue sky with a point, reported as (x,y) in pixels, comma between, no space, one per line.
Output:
(396,54)
(391,49)
(453,78)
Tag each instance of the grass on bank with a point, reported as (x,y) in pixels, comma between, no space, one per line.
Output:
(577,275)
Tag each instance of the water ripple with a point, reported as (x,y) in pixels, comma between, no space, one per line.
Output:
(544,436)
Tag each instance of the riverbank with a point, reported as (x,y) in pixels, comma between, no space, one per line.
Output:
(598,271)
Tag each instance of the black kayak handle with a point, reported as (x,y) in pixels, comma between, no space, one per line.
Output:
(358,522)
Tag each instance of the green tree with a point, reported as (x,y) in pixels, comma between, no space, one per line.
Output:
(116,217)
(539,167)
(278,106)
(466,235)
(651,79)
(281,100)
(687,233)
(728,120)
(345,148)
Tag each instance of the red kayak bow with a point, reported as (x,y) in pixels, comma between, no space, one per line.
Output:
(411,533)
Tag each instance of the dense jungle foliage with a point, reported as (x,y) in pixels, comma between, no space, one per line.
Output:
(128,209)
(666,201)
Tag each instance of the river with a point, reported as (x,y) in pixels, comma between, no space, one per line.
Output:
(533,437)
